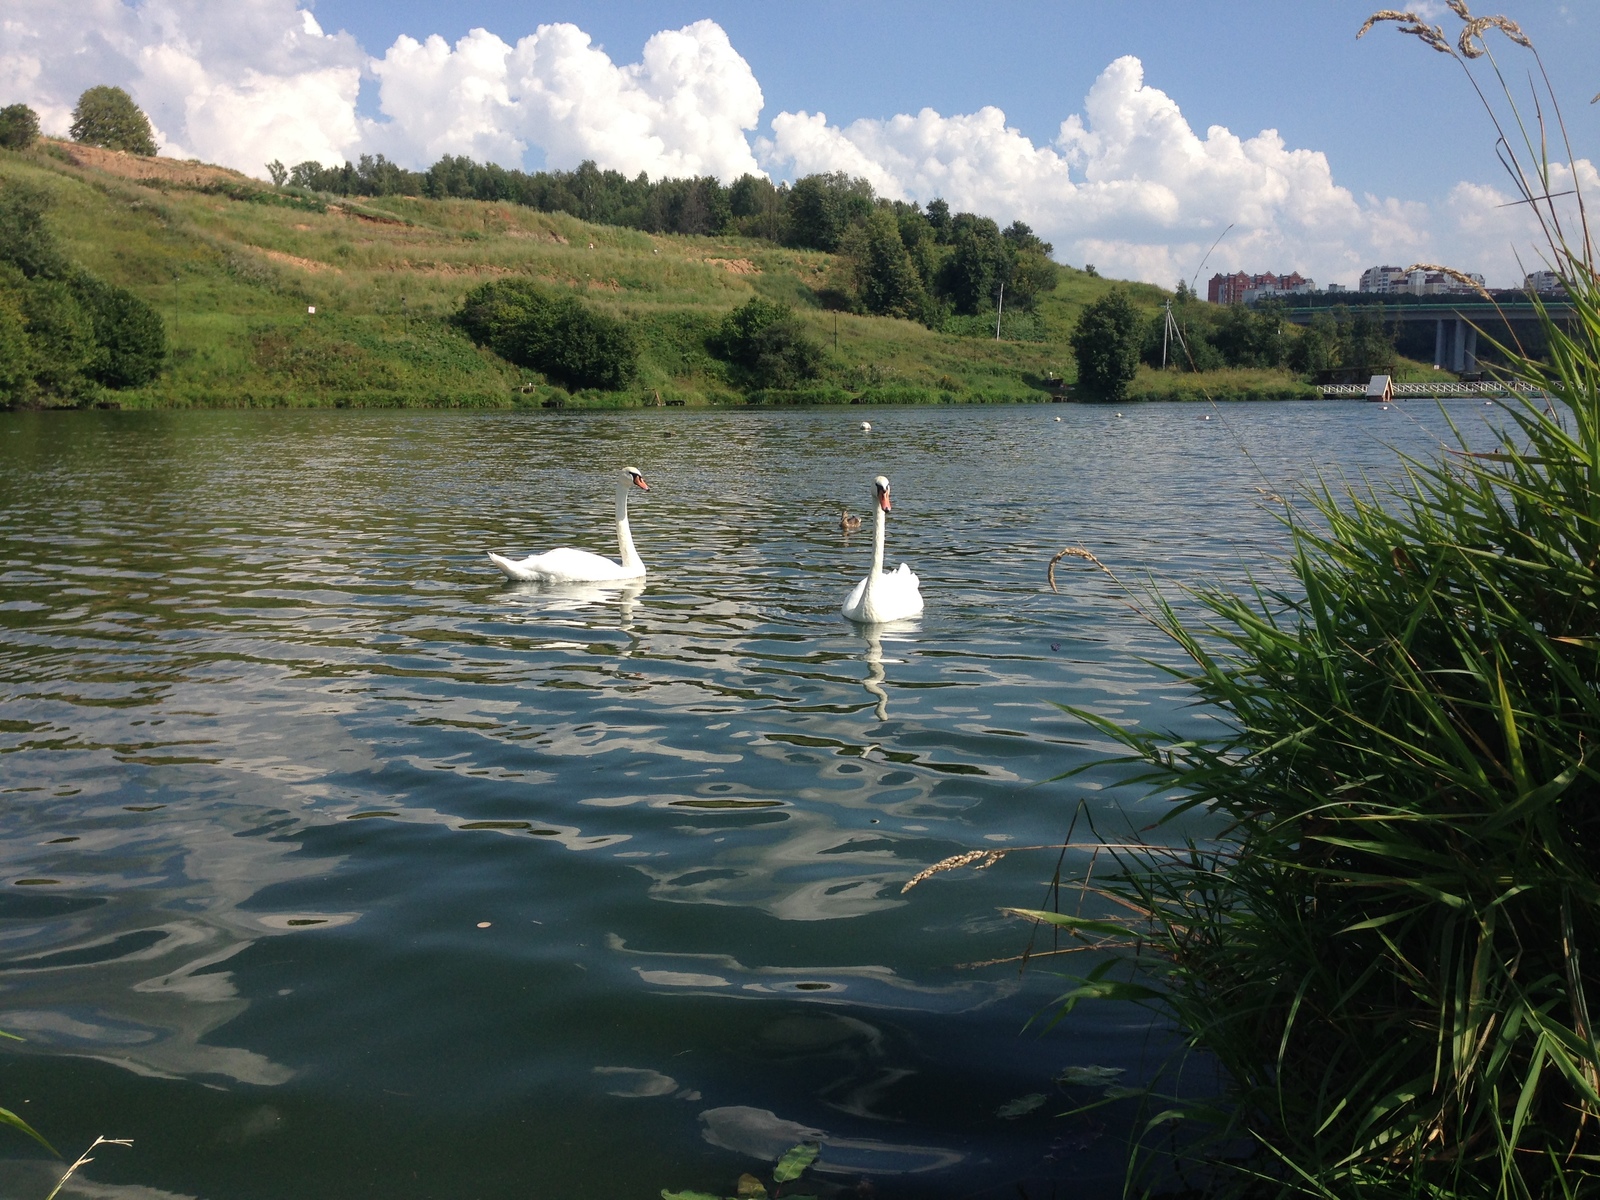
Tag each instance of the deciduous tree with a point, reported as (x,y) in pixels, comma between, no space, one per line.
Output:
(19,127)
(1106,343)
(107,116)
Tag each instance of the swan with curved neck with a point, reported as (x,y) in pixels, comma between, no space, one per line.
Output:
(566,565)
(883,595)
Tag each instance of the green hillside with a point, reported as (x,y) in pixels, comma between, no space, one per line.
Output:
(233,266)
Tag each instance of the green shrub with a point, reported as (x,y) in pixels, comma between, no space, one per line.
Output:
(1390,944)
(25,240)
(551,332)
(77,330)
(16,350)
(765,346)
(130,340)
(61,334)
(19,127)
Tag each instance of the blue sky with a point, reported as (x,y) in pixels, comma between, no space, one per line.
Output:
(1381,152)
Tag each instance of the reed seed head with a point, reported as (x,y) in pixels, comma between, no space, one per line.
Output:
(1458,276)
(1432,35)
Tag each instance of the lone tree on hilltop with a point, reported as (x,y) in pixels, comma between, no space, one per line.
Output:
(107,116)
(1106,343)
(19,127)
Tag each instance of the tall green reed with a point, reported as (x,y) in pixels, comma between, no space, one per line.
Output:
(1393,949)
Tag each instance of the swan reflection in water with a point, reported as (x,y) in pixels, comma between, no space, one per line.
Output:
(575,598)
(873,637)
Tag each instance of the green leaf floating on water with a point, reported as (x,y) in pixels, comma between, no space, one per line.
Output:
(1089,1076)
(666,1195)
(1118,1092)
(1021,1106)
(795,1161)
(751,1188)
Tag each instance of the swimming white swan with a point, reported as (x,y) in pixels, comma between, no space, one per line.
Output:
(883,595)
(566,565)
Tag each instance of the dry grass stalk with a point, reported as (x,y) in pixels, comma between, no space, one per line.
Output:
(1433,35)
(1459,276)
(1388,14)
(989,857)
(84,1159)
(1472,32)
(1074,552)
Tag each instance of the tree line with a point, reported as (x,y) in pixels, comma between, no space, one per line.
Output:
(1112,338)
(897,259)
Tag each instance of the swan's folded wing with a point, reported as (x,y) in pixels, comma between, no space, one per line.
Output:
(851,607)
(566,565)
(510,569)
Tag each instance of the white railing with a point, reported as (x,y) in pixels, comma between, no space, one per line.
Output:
(1441,391)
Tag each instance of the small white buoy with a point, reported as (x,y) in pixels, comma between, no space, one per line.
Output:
(1058,418)
(1119,414)
(866,426)
(1208,416)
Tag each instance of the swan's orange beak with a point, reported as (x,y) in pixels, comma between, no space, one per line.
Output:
(883,499)
(638,482)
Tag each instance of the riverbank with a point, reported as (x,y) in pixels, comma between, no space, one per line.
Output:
(290,299)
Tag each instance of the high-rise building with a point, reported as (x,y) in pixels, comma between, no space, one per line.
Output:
(1240,288)
(1397,281)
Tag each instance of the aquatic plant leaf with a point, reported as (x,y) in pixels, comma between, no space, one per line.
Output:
(1118,1092)
(7,1117)
(666,1195)
(1089,1076)
(1021,1106)
(751,1188)
(796,1160)
(1067,921)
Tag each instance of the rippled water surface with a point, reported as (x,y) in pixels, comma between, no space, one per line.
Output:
(334,865)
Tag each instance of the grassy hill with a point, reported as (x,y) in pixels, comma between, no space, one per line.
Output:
(233,266)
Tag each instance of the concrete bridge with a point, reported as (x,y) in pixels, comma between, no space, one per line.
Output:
(1456,319)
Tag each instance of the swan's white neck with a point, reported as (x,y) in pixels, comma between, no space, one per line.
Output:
(877,554)
(630,556)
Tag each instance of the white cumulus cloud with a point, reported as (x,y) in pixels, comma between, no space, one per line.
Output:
(236,83)
(1127,185)
(682,110)
(1491,225)
(248,81)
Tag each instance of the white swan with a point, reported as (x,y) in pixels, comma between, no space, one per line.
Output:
(883,595)
(566,565)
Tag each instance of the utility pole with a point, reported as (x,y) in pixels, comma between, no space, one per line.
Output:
(999,309)
(1171,332)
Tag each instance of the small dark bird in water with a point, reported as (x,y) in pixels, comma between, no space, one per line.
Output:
(848,523)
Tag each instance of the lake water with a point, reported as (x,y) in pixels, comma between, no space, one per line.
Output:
(335,865)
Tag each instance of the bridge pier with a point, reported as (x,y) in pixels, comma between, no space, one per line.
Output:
(1455,345)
